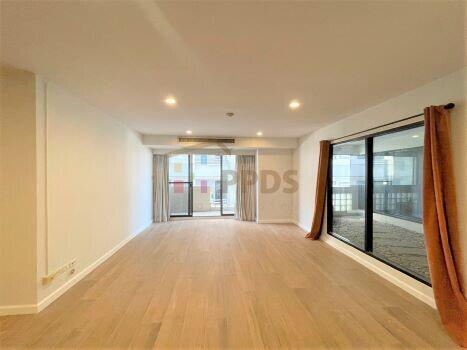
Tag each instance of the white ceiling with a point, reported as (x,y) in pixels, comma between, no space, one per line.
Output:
(250,58)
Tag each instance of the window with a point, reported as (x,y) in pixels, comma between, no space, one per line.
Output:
(201,185)
(203,159)
(397,174)
(179,168)
(179,185)
(229,184)
(348,191)
(206,172)
(375,198)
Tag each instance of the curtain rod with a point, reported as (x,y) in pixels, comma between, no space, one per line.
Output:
(447,106)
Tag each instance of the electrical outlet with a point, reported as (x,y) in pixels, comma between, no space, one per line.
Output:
(70,266)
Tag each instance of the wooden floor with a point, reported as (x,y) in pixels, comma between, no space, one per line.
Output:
(222,283)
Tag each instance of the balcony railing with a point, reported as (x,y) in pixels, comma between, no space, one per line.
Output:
(402,201)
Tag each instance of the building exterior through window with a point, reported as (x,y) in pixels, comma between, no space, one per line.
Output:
(376,191)
(202,185)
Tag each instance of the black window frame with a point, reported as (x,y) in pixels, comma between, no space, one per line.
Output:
(368,244)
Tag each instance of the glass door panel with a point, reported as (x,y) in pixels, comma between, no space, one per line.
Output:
(348,191)
(229,184)
(202,185)
(397,200)
(206,175)
(179,185)
(179,168)
(179,198)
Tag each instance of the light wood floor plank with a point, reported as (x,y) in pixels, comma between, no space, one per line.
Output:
(229,284)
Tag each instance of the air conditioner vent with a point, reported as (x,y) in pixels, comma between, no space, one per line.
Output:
(205,140)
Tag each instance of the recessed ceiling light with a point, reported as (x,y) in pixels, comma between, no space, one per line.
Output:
(414,136)
(259,133)
(294,104)
(170,101)
(189,132)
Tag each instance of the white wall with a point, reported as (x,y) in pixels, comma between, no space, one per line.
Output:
(17,189)
(75,184)
(451,88)
(274,204)
(98,190)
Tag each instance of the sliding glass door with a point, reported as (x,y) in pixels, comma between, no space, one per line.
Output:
(180,185)
(206,185)
(348,192)
(397,200)
(375,198)
(202,185)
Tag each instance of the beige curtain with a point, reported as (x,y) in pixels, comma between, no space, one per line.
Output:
(161,188)
(245,208)
(440,225)
(321,185)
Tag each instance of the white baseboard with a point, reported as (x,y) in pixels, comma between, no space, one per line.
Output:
(78,277)
(182,218)
(303,227)
(418,289)
(41,305)
(427,296)
(18,309)
(275,221)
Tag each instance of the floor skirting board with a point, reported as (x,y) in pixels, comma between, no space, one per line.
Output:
(160,300)
(70,283)
(41,305)
(421,292)
(303,227)
(413,287)
(18,309)
(276,221)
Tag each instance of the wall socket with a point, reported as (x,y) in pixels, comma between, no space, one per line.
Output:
(68,267)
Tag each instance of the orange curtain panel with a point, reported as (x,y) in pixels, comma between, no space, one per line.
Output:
(321,184)
(440,224)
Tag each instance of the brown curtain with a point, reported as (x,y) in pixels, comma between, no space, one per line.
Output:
(320,195)
(440,224)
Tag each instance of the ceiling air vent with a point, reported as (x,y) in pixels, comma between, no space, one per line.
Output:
(205,140)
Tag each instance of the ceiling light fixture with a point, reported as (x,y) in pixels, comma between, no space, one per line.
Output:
(415,136)
(170,101)
(259,133)
(294,104)
(189,132)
